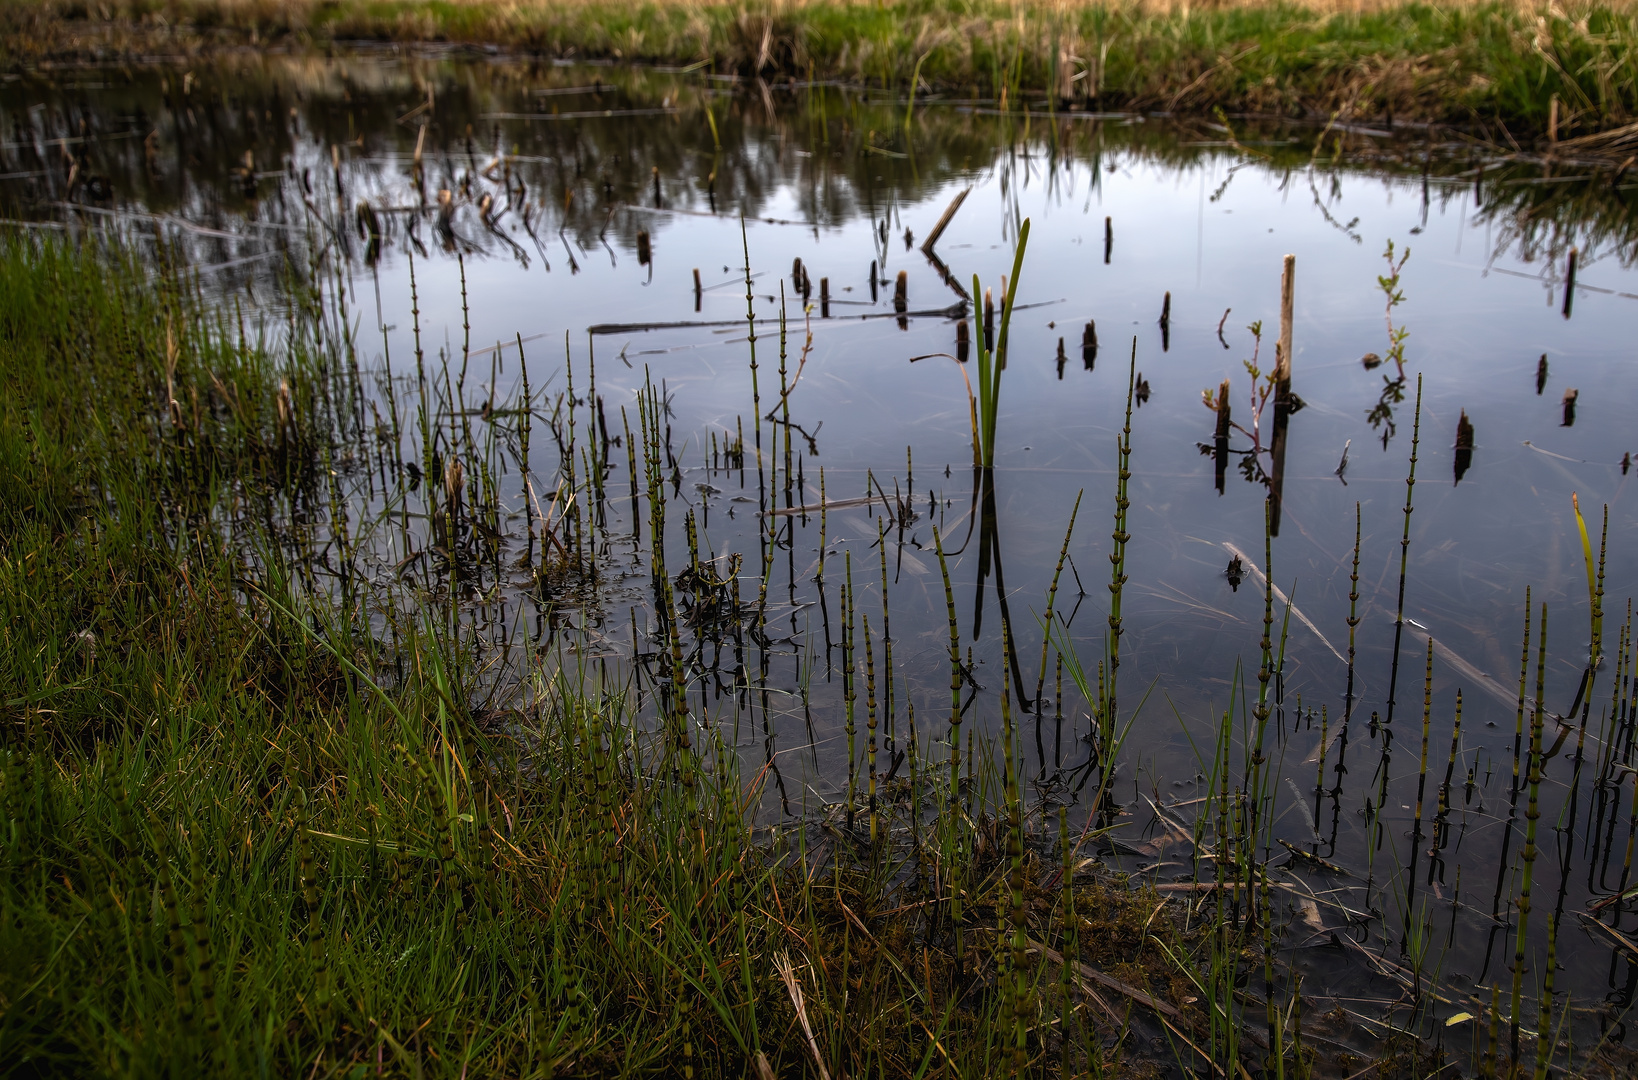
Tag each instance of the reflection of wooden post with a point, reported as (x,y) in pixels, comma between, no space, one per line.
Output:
(1220,449)
(1282,394)
(1569,282)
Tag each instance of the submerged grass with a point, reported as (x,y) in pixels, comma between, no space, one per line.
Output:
(1543,69)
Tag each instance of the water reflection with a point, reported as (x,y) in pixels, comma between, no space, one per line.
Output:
(621,236)
(488,148)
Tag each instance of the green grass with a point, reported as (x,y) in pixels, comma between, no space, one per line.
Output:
(244,835)
(1485,63)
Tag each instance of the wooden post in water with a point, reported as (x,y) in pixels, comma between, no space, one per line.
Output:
(901,298)
(1282,359)
(697,289)
(928,244)
(874,274)
(1282,393)
(1108,238)
(824,298)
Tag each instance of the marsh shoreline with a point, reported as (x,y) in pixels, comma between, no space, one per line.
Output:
(1512,73)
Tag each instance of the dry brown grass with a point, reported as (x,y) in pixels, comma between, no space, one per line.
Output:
(1473,61)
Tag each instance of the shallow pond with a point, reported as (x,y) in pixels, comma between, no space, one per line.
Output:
(600,221)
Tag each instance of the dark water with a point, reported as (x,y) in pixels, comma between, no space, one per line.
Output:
(559,177)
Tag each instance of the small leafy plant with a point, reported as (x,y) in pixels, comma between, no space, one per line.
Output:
(1393,388)
(1263,386)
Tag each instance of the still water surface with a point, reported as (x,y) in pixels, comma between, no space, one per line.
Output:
(607,216)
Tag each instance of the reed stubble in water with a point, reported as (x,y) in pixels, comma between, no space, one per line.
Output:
(629,851)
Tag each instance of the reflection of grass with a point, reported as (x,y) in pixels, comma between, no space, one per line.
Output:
(1447,60)
(1538,209)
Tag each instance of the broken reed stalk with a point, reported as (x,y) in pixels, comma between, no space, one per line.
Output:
(931,242)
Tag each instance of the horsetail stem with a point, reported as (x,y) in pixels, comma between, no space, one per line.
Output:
(1531,814)
(849,692)
(1016,985)
(870,723)
(952,847)
(1107,705)
(1052,595)
(1404,554)
(1416,822)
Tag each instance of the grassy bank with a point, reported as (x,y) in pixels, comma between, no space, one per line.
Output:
(248,832)
(1487,64)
